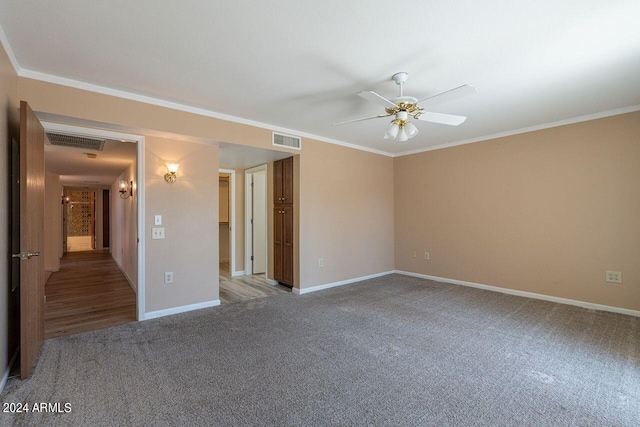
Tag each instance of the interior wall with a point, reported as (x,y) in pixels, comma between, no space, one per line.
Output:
(9,123)
(53,221)
(346,213)
(124,227)
(544,212)
(189,209)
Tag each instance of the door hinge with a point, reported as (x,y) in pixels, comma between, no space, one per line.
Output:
(251,257)
(251,221)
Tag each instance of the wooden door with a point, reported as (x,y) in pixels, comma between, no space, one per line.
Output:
(105,219)
(287,245)
(287,181)
(31,238)
(277,182)
(278,222)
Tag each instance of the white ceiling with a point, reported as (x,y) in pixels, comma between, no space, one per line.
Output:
(76,168)
(298,65)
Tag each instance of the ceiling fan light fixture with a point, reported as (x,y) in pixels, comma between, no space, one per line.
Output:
(402,135)
(410,129)
(392,130)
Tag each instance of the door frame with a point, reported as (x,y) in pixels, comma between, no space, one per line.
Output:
(139,192)
(232,222)
(248,235)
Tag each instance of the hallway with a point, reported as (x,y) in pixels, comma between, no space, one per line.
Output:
(242,288)
(89,292)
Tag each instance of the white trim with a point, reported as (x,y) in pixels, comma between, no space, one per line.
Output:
(340,283)
(271,281)
(237,273)
(35,75)
(208,113)
(543,126)
(232,219)
(248,205)
(124,273)
(139,193)
(543,297)
(7,48)
(181,309)
(140,187)
(5,376)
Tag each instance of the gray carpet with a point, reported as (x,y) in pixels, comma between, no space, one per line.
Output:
(395,351)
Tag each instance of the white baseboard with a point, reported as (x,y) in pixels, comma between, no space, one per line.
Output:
(543,297)
(271,281)
(131,283)
(181,309)
(5,377)
(237,273)
(340,283)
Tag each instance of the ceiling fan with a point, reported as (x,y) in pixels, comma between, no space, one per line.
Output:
(403,107)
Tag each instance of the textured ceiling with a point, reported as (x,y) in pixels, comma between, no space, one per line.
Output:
(299,64)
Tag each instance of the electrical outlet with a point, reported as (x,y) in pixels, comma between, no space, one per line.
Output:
(157,233)
(320,262)
(426,255)
(614,276)
(413,254)
(168,277)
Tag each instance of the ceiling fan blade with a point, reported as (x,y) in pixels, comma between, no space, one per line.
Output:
(360,120)
(450,95)
(376,99)
(444,119)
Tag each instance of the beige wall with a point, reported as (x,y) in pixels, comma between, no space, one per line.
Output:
(545,212)
(124,227)
(9,122)
(189,209)
(346,213)
(53,221)
(343,192)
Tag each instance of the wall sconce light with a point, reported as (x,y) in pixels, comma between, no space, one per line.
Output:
(170,176)
(126,189)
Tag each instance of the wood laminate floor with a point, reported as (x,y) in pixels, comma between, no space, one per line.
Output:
(89,292)
(242,288)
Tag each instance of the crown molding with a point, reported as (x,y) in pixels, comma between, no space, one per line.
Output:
(586,118)
(76,84)
(63,81)
(7,48)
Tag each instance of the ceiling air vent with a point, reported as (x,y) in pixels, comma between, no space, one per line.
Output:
(286,141)
(76,141)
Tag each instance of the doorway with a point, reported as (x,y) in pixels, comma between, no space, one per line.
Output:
(256,220)
(226,221)
(95,174)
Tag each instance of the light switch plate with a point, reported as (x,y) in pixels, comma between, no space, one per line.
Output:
(157,233)
(158,220)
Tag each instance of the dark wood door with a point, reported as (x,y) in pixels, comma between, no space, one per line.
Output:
(105,219)
(31,238)
(287,245)
(277,182)
(287,181)
(278,221)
